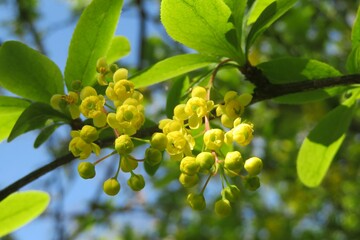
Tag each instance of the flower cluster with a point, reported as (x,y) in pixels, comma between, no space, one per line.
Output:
(200,148)
(208,158)
(119,109)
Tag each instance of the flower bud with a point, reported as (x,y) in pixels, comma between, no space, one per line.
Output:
(153,156)
(120,74)
(111,186)
(199,92)
(55,101)
(89,134)
(76,85)
(252,183)
(231,193)
(233,163)
(128,164)
(189,165)
(124,145)
(214,139)
(206,160)
(253,166)
(223,207)
(245,99)
(188,181)
(136,182)
(87,91)
(101,65)
(196,201)
(86,170)
(179,112)
(158,141)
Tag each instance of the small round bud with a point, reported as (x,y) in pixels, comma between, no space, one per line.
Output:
(158,141)
(243,134)
(89,134)
(199,92)
(87,91)
(120,74)
(86,170)
(124,145)
(101,65)
(252,183)
(111,186)
(189,165)
(223,207)
(253,166)
(136,182)
(231,193)
(153,156)
(206,160)
(179,112)
(76,85)
(128,164)
(233,163)
(113,67)
(196,201)
(188,181)
(55,101)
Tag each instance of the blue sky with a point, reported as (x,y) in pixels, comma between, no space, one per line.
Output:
(19,157)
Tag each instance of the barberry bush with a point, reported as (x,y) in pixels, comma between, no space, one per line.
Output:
(205,130)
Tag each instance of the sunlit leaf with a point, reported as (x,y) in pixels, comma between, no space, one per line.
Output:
(120,47)
(27,73)
(172,67)
(10,110)
(321,145)
(201,25)
(20,208)
(91,40)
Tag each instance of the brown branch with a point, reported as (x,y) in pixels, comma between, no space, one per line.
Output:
(265,90)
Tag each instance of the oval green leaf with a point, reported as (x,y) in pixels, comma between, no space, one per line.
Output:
(172,67)
(29,74)
(20,208)
(321,145)
(119,47)
(10,110)
(201,25)
(91,40)
(35,117)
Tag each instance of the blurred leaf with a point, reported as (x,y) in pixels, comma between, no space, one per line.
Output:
(323,142)
(353,60)
(45,134)
(171,67)
(10,110)
(27,73)
(34,117)
(91,40)
(201,25)
(175,93)
(355,33)
(120,47)
(263,14)
(288,70)
(20,208)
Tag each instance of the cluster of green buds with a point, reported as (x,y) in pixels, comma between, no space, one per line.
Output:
(119,109)
(210,157)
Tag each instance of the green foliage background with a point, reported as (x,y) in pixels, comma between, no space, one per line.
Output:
(283,208)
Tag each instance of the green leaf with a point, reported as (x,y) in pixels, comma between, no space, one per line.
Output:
(35,117)
(27,73)
(264,13)
(175,93)
(91,40)
(10,110)
(45,134)
(321,145)
(172,67)
(201,25)
(289,70)
(355,33)
(120,47)
(353,60)
(20,208)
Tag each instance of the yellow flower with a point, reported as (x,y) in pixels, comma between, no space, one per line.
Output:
(214,139)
